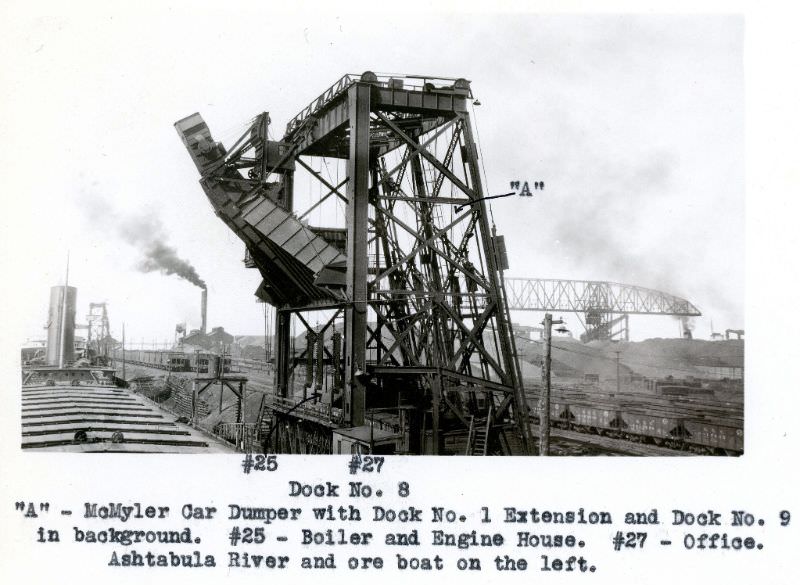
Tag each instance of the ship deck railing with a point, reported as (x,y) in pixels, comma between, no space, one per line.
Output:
(245,436)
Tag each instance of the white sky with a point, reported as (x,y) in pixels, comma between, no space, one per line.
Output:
(636,124)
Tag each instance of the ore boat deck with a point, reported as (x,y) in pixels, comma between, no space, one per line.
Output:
(53,417)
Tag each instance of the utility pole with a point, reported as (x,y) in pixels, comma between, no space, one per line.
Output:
(617,352)
(544,402)
(267,339)
(123,351)
(61,333)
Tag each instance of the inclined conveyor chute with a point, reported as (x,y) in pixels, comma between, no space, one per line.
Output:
(287,252)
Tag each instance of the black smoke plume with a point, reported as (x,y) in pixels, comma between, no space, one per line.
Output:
(159,256)
(144,232)
(148,234)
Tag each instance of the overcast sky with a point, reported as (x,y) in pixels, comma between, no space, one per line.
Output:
(635,123)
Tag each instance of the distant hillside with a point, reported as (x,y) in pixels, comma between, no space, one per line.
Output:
(245,340)
(652,358)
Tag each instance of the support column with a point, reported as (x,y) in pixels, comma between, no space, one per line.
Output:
(282,351)
(509,360)
(356,277)
(544,402)
(319,380)
(242,390)
(310,340)
(194,401)
(288,191)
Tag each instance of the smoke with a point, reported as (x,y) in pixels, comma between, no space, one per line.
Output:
(146,233)
(687,324)
(163,258)
(610,231)
(629,219)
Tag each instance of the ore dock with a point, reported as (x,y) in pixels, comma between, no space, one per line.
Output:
(371,230)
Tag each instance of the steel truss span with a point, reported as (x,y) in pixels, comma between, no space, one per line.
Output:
(405,264)
(605,305)
(538,294)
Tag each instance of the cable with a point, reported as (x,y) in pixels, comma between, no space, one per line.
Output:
(480,149)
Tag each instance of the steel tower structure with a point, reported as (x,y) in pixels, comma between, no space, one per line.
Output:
(415,270)
(99,334)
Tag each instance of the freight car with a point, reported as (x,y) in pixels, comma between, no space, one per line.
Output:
(175,361)
(693,423)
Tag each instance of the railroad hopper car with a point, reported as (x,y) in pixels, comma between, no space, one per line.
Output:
(698,424)
(175,361)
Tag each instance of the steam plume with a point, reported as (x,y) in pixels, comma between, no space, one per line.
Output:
(687,324)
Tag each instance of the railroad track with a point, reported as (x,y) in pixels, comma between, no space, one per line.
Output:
(622,446)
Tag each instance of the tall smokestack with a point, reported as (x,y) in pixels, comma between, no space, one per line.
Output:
(203,309)
(61,325)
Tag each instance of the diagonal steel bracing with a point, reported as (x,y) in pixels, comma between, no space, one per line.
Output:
(425,320)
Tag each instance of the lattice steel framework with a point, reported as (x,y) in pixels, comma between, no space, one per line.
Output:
(98,337)
(599,301)
(413,270)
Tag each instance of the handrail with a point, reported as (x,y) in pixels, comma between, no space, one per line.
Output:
(321,412)
(471,435)
(488,427)
(419,83)
(316,104)
(241,434)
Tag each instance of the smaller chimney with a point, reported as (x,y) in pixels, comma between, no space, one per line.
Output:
(203,309)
